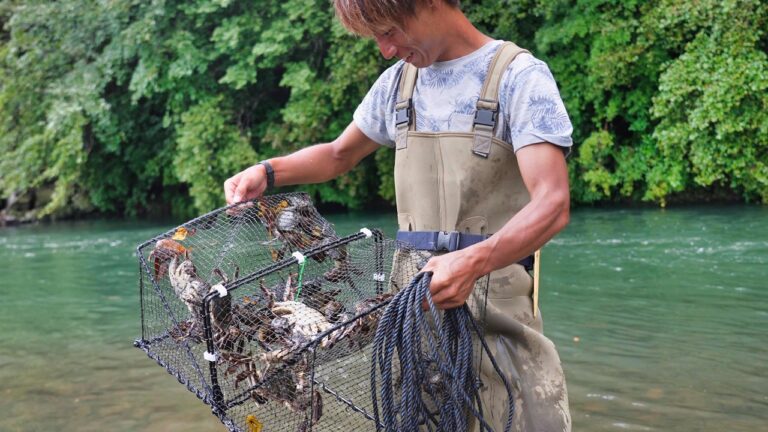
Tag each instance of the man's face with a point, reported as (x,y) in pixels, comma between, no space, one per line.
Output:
(415,42)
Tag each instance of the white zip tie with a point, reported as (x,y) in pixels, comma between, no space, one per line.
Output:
(367,232)
(210,357)
(221,290)
(299,257)
(379,277)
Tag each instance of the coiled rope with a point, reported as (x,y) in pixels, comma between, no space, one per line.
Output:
(440,377)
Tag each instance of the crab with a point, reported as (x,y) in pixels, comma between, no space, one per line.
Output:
(342,270)
(253,322)
(184,331)
(283,387)
(165,250)
(172,257)
(243,366)
(286,386)
(297,323)
(280,220)
(189,288)
(227,335)
(294,220)
(323,301)
(361,329)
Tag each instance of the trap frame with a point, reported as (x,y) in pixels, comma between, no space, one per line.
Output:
(264,313)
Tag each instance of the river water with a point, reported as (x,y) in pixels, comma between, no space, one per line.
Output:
(660,316)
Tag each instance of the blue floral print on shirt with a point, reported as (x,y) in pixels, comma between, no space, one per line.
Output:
(446,94)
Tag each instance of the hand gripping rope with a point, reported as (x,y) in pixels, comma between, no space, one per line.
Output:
(443,377)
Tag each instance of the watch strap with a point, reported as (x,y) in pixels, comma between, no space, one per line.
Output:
(270,173)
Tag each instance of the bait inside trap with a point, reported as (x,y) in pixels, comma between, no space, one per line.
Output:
(268,316)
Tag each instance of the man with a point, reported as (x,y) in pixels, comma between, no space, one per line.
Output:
(478,153)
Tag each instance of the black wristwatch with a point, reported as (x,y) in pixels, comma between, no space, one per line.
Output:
(270,173)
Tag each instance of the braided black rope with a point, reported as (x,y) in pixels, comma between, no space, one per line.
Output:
(441,376)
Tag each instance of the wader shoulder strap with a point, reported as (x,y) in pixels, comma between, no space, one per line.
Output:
(405,116)
(488,104)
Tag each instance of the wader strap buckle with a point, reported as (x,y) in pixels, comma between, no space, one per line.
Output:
(484,126)
(403,121)
(403,112)
(486,117)
(447,241)
(486,112)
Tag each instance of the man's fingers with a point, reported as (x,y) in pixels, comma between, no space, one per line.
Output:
(442,298)
(230,186)
(441,305)
(242,192)
(229,192)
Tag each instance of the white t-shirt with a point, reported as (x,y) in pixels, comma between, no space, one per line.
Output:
(445,99)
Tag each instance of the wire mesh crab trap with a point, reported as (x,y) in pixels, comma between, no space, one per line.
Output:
(267,315)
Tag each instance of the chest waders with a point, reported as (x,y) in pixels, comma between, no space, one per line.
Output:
(470,184)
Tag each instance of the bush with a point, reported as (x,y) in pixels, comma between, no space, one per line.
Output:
(121,106)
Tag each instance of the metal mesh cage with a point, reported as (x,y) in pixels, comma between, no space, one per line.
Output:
(267,315)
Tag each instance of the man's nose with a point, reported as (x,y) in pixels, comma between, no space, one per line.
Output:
(387,49)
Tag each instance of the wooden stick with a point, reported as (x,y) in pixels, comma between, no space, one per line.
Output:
(536,271)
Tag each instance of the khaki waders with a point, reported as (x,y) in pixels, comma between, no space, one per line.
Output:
(470,183)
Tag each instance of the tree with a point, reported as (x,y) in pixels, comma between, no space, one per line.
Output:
(668,97)
(128,107)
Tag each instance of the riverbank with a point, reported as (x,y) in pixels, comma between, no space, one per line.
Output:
(8,220)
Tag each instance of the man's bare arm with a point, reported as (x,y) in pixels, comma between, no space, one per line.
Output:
(544,172)
(315,164)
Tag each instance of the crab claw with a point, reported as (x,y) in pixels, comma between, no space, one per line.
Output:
(164,251)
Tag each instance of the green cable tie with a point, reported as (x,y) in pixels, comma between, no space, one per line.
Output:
(301,277)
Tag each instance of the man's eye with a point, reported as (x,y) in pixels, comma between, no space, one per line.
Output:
(388,32)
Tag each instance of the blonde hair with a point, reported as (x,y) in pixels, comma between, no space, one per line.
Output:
(367,17)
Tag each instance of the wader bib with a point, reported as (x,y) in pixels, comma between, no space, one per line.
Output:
(470,183)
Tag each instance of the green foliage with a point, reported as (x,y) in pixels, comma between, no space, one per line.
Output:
(207,150)
(127,107)
(667,97)
(712,104)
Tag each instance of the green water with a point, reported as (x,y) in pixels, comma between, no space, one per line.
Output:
(660,318)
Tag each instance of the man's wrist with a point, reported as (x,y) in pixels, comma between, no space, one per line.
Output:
(270,173)
(479,257)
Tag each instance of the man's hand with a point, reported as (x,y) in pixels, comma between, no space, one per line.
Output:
(246,185)
(453,279)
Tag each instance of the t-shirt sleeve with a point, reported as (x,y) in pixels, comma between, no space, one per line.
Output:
(532,107)
(375,114)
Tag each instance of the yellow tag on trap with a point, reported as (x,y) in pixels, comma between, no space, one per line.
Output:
(254,425)
(180,234)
